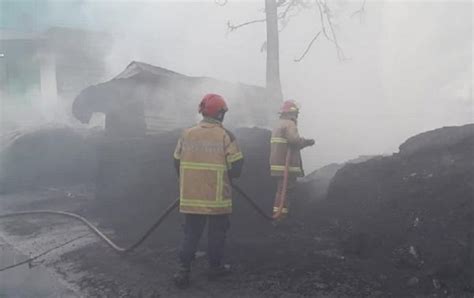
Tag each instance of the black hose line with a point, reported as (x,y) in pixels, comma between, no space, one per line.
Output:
(30,260)
(252,202)
(130,248)
(95,230)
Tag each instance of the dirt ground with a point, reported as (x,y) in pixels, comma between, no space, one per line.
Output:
(292,261)
(315,254)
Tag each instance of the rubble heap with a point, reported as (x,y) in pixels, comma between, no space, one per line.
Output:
(414,207)
(47,155)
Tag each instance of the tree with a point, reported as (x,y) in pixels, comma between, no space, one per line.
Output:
(273,82)
(277,15)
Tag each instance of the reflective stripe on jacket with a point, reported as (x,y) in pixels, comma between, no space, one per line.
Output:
(283,135)
(206,152)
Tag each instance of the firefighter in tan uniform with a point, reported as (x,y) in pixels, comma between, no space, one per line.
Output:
(285,137)
(206,157)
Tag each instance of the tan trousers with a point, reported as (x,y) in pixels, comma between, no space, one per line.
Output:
(290,189)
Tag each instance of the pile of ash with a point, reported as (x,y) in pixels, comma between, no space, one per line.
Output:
(47,155)
(415,207)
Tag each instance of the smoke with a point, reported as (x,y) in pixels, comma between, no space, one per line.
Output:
(409,66)
(409,70)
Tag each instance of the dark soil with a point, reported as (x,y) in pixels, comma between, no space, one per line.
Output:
(381,232)
(415,207)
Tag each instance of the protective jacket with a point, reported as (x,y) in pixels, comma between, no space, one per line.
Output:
(286,135)
(206,155)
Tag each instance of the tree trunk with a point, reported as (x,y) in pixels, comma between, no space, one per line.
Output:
(471,245)
(273,61)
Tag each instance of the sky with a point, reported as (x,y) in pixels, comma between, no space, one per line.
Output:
(408,67)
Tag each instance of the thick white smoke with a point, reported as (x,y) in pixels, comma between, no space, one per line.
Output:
(409,66)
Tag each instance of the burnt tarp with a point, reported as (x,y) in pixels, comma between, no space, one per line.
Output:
(146,99)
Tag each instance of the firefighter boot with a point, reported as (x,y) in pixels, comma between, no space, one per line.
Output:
(181,278)
(218,272)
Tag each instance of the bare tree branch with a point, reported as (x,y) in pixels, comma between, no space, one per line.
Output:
(232,27)
(221,2)
(360,11)
(321,17)
(325,16)
(282,3)
(282,17)
(282,26)
(287,9)
(327,13)
(291,9)
(340,52)
(308,47)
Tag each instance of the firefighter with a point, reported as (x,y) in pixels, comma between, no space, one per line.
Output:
(207,157)
(285,137)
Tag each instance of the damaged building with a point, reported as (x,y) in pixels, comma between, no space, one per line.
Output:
(146,99)
(42,71)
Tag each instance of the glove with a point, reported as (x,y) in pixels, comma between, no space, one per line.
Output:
(309,142)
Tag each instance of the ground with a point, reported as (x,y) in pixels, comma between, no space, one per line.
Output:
(290,261)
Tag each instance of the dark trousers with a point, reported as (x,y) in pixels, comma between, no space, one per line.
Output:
(216,232)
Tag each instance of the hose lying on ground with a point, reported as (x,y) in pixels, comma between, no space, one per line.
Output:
(29,260)
(94,229)
(106,239)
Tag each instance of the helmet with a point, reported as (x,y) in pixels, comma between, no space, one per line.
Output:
(289,106)
(212,105)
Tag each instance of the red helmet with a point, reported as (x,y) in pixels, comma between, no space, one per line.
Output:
(212,105)
(289,106)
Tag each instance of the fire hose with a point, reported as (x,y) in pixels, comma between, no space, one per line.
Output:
(107,240)
(91,227)
(163,216)
(102,236)
(94,229)
(280,200)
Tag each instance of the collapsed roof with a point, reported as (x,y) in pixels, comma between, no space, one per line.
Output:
(148,98)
